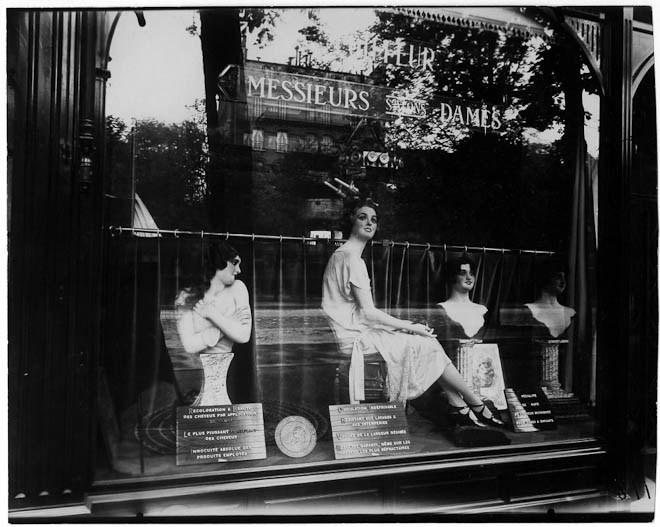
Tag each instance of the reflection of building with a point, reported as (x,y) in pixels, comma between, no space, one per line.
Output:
(297,137)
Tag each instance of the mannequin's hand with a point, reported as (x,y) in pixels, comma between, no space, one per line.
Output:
(422,329)
(201,308)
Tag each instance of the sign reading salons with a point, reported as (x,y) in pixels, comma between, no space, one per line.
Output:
(284,95)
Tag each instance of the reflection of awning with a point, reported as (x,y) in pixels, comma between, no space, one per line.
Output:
(509,19)
(142,218)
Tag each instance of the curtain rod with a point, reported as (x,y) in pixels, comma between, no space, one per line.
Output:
(226,235)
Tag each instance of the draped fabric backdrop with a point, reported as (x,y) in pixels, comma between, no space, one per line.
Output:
(290,362)
(581,290)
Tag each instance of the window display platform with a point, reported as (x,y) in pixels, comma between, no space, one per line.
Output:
(438,478)
(428,442)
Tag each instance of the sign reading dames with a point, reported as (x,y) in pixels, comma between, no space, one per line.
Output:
(211,434)
(365,430)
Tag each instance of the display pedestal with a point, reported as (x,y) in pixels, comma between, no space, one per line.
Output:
(550,368)
(464,362)
(214,386)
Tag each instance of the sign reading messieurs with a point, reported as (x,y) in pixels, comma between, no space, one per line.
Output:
(308,91)
(283,90)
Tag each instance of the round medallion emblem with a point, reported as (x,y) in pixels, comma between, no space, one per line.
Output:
(295,436)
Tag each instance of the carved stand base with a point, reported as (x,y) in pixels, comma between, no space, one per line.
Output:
(214,386)
(550,369)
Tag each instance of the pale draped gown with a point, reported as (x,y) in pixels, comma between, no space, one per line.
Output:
(414,362)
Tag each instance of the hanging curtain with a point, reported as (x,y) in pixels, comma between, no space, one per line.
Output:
(581,256)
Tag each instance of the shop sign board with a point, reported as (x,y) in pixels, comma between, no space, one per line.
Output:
(369,430)
(213,434)
(269,88)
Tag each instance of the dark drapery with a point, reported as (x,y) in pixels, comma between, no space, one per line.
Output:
(290,363)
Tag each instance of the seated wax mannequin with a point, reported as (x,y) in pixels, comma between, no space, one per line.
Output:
(460,317)
(415,359)
(546,316)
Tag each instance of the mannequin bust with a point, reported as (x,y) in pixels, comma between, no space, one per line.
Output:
(462,319)
(549,321)
(212,317)
(546,309)
(467,316)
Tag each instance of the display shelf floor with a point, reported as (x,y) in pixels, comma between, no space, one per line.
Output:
(426,439)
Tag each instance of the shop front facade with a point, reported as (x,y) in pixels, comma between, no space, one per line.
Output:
(516,143)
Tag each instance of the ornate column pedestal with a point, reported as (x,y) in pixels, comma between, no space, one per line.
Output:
(550,368)
(464,362)
(214,386)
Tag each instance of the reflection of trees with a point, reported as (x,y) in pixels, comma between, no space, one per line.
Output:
(170,162)
(459,184)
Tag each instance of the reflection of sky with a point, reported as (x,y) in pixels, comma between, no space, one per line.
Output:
(157,69)
(339,24)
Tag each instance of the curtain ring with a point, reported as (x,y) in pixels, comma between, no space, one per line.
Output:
(226,235)
(201,234)
(428,246)
(280,238)
(392,243)
(407,245)
(120,229)
(252,236)
(465,249)
(176,233)
(444,247)
(157,232)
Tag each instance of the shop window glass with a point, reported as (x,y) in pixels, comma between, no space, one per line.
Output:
(311,143)
(458,135)
(271,142)
(282,142)
(327,144)
(258,139)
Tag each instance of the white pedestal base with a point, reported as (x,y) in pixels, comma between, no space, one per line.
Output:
(214,386)
(550,369)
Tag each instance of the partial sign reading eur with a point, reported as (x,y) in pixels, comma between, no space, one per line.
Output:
(214,434)
(367,430)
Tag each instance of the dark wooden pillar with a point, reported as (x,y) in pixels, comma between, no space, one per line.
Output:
(616,365)
(55,234)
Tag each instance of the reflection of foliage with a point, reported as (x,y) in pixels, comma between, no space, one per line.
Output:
(470,65)
(510,187)
(170,166)
(260,20)
(314,32)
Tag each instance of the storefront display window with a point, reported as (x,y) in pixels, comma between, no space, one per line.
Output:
(461,157)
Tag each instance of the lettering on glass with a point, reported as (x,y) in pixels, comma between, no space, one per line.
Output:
(284,95)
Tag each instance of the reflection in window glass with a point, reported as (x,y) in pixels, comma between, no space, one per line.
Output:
(258,139)
(455,132)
